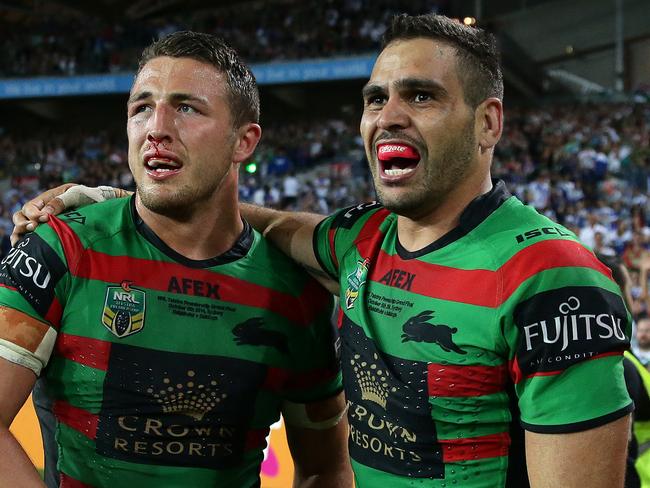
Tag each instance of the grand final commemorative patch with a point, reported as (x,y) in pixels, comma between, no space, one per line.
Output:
(124,308)
(356,280)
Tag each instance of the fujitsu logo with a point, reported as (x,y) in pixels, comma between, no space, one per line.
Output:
(572,326)
(26,265)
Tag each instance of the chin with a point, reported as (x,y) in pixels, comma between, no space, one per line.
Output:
(409,205)
(166,202)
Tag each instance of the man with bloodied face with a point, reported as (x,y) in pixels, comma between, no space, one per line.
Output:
(167,333)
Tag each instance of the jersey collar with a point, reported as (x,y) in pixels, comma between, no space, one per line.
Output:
(476,212)
(237,251)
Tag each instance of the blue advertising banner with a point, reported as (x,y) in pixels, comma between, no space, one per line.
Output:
(348,68)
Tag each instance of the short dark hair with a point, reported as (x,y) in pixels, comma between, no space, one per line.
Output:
(478,64)
(243,94)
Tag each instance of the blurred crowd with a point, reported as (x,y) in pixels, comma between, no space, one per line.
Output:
(70,43)
(585,166)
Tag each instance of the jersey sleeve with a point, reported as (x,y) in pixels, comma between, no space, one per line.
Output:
(33,279)
(315,372)
(337,234)
(566,330)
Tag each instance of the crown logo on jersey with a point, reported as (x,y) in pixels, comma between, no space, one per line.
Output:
(356,280)
(371,380)
(189,397)
(124,308)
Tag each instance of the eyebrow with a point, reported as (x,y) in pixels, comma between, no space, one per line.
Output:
(407,84)
(371,89)
(173,97)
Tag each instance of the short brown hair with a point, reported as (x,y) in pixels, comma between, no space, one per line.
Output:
(243,94)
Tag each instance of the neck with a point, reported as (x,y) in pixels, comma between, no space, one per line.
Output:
(207,231)
(415,234)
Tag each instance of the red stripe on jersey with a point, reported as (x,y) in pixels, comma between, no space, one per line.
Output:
(158,275)
(479,286)
(68,482)
(84,350)
(547,255)
(256,438)
(605,354)
(370,238)
(8,287)
(515,371)
(517,375)
(465,381)
(76,418)
(314,299)
(275,379)
(54,313)
(339,318)
(72,247)
(471,448)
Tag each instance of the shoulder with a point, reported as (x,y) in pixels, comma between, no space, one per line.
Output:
(92,222)
(274,267)
(355,217)
(517,231)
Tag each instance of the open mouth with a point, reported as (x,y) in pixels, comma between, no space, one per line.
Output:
(397,159)
(160,167)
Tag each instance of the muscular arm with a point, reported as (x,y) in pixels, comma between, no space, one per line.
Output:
(593,458)
(293,233)
(16,469)
(320,456)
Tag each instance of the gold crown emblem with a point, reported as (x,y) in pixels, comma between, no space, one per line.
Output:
(372,381)
(188,398)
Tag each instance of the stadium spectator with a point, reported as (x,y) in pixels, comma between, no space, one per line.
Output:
(641,347)
(290,191)
(635,252)
(68,44)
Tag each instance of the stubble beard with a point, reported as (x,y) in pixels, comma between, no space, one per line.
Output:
(180,204)
(443,172)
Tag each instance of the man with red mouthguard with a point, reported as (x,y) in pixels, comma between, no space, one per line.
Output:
(474,330)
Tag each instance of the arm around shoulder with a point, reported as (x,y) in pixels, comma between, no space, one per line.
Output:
(293,234)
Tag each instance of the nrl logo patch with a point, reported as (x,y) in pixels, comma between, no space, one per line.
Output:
(356,280)
(124,309)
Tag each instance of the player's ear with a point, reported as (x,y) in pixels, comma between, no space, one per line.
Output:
(489,123)
(248,135)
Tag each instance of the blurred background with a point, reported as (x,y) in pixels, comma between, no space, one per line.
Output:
(576,143)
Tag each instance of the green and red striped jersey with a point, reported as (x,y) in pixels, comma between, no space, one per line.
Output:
(506,319)
(162,371)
